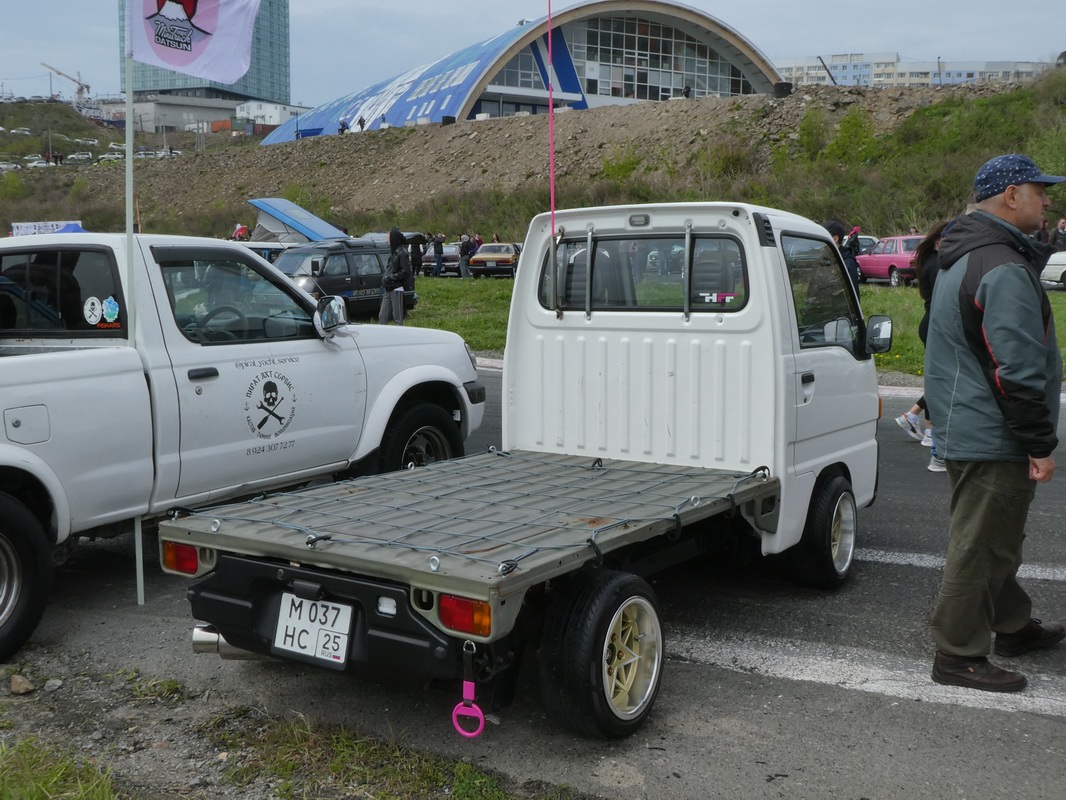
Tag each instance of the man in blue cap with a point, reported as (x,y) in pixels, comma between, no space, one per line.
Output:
(993,374)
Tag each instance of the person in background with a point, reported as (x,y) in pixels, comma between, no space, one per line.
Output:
(361,123)
(1043,235)
(438,255)
(1058,236)
(466,248)
(993,375)
(496,238)
(396,277)
(837,231)
(925,257)
(913,231)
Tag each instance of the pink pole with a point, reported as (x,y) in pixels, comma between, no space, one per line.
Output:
(551,122)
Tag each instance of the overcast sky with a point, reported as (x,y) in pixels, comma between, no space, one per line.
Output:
(341,46)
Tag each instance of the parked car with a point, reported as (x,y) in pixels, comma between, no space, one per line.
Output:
(1055,271)
(110,157)
(495,258)
(22,131)
(79,158)
(451,259)
(87,142)
(8,166)
(40,162)
(891,259)
(349,268)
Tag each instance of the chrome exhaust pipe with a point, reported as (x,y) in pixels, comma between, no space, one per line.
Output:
(205,639)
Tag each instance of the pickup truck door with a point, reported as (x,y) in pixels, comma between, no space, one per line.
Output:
(262,399)
(830,393)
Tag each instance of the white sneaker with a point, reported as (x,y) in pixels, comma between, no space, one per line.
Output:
(911,425)
(936,464)
(927,438)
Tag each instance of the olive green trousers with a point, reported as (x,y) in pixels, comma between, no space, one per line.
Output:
(979,592)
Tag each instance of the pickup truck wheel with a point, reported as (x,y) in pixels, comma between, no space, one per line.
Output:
(25,575)
(423,434)
(825,553)
(601,656)
(893,277)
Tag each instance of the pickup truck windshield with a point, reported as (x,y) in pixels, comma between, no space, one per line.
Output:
(54,290)
(649,273)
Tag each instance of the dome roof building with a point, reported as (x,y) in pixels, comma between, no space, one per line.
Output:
(603,52)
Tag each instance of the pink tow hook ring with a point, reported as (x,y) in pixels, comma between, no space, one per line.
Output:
(468,708)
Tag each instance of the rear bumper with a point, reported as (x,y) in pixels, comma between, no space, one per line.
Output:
(241,599)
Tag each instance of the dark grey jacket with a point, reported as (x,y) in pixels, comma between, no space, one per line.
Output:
(993,370)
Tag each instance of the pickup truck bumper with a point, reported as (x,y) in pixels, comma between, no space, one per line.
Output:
(242,599)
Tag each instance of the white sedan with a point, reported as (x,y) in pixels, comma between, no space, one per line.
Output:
(1055,271)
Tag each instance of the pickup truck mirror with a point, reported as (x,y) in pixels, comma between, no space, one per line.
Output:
(330,314)
(878,334)
(316,266)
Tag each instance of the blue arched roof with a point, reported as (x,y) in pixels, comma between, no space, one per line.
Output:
(446,88)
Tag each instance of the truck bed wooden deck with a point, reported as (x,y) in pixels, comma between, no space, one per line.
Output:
(490,524)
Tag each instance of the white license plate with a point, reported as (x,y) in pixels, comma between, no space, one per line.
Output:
(490,263)
(315,629)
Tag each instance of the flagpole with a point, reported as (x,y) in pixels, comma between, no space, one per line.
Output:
(130,289)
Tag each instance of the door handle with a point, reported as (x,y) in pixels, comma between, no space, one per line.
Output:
(807,377)
(200,373)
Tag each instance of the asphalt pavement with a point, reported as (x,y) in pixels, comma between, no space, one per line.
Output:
(770,690)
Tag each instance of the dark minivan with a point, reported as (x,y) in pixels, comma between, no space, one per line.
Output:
(348,268)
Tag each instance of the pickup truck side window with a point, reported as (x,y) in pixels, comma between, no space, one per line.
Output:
(827,313)
(366,264)
(54,290)
(648,273)
(220,299)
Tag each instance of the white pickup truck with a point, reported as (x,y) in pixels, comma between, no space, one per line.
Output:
(233,382)
(676,376)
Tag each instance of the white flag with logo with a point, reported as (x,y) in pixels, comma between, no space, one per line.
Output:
(210,39)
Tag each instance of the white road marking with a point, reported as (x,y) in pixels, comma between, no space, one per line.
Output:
(1042,572)
(860,670)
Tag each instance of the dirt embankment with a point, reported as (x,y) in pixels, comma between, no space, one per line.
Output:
(397,168)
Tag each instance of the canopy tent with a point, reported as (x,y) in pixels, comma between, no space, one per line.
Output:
(72,227)
(283,221)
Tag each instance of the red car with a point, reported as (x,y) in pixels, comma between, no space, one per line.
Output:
(891,259)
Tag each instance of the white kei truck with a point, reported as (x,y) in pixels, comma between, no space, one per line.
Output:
(234,381)
(675,376)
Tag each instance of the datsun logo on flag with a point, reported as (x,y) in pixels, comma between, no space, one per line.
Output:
(210,39)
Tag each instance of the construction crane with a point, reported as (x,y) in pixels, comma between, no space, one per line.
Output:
(83,88)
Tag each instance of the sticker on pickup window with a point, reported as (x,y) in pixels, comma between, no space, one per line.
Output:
(269,404)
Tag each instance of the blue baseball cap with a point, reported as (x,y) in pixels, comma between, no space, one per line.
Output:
(1011,170)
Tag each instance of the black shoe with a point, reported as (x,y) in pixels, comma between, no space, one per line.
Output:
(1034,636)
(975,673)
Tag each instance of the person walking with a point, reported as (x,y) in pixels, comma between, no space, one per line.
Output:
(993,374)
(438,255)
(397,274)
(466,249)
(928,265)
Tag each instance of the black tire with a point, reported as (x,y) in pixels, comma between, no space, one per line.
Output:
(584,684)
(25,575)
(422,434)
(824,556)
(893,277)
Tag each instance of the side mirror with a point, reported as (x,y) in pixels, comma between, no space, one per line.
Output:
(316,266)
(330,315)
(878,334)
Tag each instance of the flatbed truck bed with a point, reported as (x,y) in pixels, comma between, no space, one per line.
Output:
(488,527)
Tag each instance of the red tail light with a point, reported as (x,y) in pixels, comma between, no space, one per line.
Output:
(180,558)
(465,615)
